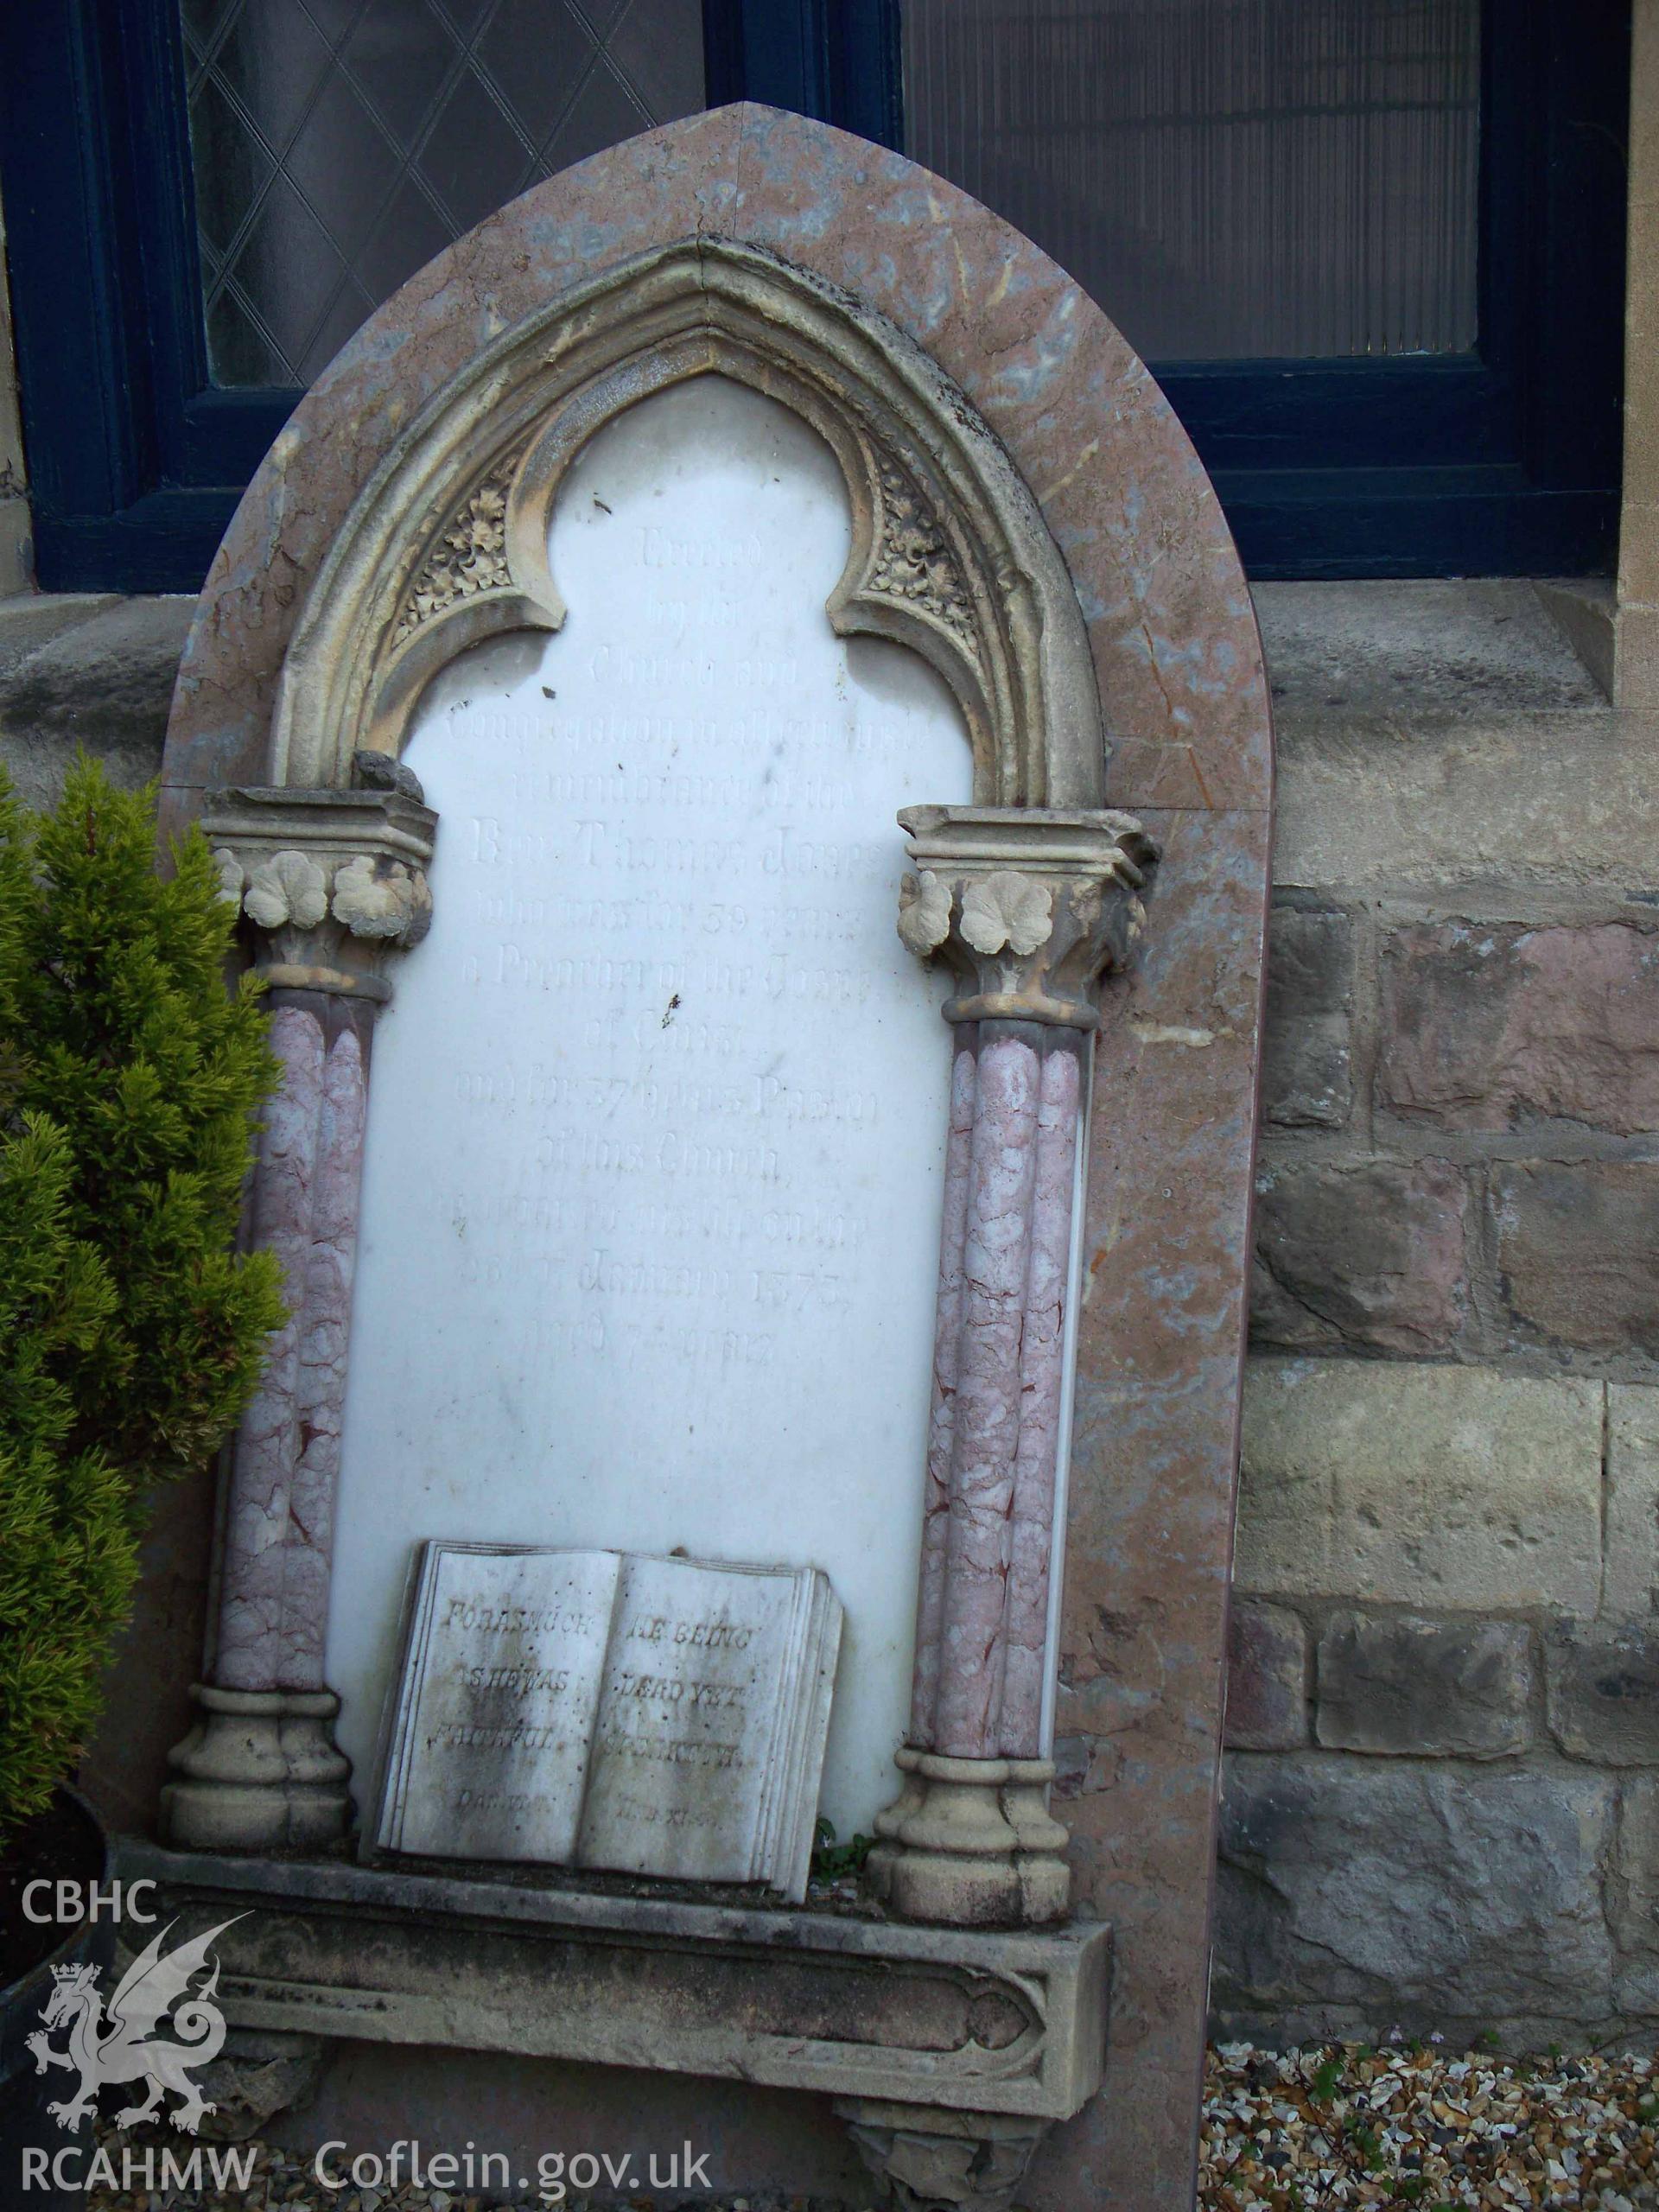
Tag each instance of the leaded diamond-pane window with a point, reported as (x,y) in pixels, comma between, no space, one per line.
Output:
(339,144)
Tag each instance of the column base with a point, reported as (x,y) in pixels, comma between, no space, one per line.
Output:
(971,1842)
(933,2160)
(259,1772)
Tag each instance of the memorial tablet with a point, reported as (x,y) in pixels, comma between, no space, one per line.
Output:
(601,1710)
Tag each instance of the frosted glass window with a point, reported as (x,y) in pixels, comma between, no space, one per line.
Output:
(339,144)
(1232,179)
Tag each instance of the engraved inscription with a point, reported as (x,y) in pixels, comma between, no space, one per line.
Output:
(660,1716)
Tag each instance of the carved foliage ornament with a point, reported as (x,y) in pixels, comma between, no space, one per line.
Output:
(930,2159)
(914,564)
(369,895)
(1007,908)
(470,555)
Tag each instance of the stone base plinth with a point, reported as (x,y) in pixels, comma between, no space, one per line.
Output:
(259,1772)
(971,1842)
(1006,2026)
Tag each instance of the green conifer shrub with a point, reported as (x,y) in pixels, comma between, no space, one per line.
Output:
(131,1333)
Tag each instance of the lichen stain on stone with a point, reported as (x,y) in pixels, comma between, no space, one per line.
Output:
(1161,1033)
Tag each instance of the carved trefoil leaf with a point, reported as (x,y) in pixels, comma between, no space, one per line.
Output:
(289,887)
(232,875)
(382,899)
(469,557)
(1031,941)
(368,894)
(924,912)
(914,562)
(1007,909)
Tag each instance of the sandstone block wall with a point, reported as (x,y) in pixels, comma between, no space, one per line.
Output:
(1443,1702)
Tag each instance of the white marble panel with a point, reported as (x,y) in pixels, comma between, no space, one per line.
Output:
(652,1201)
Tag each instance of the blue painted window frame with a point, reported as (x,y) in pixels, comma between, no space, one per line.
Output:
(1505,462)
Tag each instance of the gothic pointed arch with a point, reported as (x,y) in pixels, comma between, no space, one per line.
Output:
(447,543)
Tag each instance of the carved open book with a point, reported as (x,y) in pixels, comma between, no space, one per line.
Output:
(609,1710)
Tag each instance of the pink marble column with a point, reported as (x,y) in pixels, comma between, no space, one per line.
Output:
(1028,909)
(941,1424)
(1032,1546)
(261,1769)
(969,1837)
(274,1569)
(985,1441)
(995,1441)
(329,883)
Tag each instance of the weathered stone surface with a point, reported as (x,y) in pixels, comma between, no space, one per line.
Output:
(1151,1508)
(1458,1688)
(1578,1251)
(104,682)
(1267,1678)
(1370,1255)
(1416,1485)
(1410,1893)
(1434,735)
(1633,1894)
(254,2078)
(845,2006)
(1307,1065)
(1584,608)
(1452,648)
(1486,1027)
(1603,1691)
(930,2155)
(16,544)
(33,619)
(786,2140)
(1630,1589)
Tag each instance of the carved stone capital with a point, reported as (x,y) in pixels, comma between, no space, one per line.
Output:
(1027,906)
(330,879)
(932,2160)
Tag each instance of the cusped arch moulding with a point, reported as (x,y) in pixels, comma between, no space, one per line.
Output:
(447,543)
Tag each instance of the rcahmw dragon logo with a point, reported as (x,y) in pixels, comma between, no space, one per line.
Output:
(122,2045)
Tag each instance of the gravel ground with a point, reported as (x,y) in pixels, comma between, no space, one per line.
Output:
(1303,2131)
(1300,2131)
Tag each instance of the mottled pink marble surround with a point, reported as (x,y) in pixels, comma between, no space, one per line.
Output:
(1165,1238)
